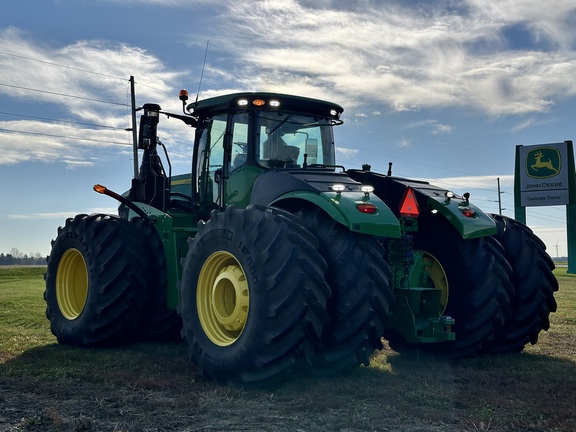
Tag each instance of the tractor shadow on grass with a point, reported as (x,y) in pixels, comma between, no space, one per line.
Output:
(149,386)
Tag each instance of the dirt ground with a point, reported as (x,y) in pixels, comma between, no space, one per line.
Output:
(73,405)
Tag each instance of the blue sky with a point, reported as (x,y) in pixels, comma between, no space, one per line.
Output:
(445,90)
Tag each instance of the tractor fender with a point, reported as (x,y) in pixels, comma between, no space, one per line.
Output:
(289,189)
(430,198)
(343,208)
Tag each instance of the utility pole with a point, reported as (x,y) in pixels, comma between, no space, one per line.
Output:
(499,198)
(134,134)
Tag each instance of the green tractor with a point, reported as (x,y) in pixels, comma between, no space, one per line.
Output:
(269,259)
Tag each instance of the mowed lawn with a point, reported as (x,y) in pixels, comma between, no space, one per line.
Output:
(48,387)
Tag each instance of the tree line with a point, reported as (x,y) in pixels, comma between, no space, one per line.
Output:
(15,257)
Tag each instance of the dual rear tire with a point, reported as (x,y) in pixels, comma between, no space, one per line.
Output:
(500,289)
(261,296)
(253,296)
(106,283)
(95,282)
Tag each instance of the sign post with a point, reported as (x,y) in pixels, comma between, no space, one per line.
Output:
(545,176)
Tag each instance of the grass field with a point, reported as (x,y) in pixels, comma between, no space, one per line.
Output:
(152,387)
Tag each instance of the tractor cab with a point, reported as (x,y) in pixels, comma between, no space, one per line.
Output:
(240,136)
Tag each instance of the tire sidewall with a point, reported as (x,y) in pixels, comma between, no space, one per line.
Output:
(68,331)
(240,351)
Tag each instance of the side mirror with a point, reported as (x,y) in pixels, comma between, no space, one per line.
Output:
(312,150)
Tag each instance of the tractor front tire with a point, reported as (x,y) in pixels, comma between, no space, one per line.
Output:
(478,283)
(253,296)
(534,285)
(95,282)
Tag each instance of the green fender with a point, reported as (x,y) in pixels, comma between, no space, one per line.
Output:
(342,207)
(469,227)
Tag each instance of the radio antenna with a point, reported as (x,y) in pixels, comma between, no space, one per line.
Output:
(202,73)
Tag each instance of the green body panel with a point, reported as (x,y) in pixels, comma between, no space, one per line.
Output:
(342,208)
(479,225)
(240,184)
(174,231)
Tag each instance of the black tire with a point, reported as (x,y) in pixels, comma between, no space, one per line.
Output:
(95,282)
(253,296)
(479,283)
(533,281)
(162,323)
(362,297)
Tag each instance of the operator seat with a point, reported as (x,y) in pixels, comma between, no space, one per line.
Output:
(287,152)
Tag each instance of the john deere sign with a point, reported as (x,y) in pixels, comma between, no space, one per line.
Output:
(543,175)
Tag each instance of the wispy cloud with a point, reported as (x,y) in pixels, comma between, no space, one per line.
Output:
(408,57)
(402,57)
(343,151)
(403,143)
(87,84)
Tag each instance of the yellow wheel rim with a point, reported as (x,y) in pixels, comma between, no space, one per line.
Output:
(71,284)
(437,276)
(222,298)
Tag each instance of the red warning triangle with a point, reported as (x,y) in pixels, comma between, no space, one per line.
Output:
(409,205)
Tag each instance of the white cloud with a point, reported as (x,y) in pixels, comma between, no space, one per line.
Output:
(403,143)
(407,57)
(343,151)
(87,84)
(438,129)
(399,56)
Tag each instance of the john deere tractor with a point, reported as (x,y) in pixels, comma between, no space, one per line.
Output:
(270,259)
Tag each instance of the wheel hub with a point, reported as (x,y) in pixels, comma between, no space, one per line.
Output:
(230,298)
(71,284)
(222,298)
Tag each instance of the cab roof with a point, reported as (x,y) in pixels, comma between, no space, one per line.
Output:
(267,102)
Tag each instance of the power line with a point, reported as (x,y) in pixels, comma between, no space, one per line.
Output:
(61,121)
(63,136)
(63,94)
(78,69)
(417,163)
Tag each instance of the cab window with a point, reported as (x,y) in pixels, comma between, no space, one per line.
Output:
(284,139)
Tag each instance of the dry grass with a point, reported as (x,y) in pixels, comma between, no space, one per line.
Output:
(152,387)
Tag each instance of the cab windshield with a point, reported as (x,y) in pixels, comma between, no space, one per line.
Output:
(285,140)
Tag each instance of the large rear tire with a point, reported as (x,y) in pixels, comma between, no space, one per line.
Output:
(534,285)
(362,297)
(477,283)
(253,296)
(95,282)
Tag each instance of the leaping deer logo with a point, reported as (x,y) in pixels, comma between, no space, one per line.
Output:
(539,163)
(543,162)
